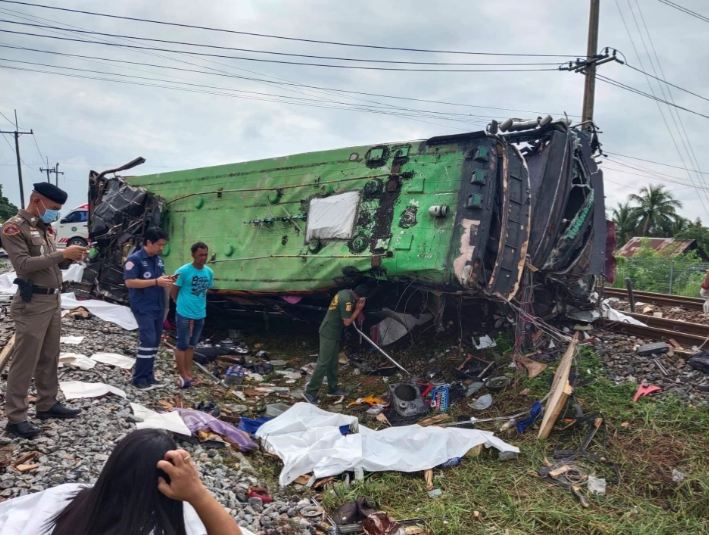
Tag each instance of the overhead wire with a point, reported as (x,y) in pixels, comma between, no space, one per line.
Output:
(282,62)
(7,119)
(257,51)
(442,115)
(666,93)
(636,69)
(281,37)
(655,162)
(186,89)
(685,10)
(278,83)
(640,92)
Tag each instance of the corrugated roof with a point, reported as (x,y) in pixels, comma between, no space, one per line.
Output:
(670,246)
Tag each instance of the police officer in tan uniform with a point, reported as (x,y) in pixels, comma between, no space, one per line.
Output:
(28,239)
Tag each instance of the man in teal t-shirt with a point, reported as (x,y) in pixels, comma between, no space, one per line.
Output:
(190,294)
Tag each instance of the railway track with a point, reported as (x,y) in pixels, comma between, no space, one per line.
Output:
(685,333)
(657,299)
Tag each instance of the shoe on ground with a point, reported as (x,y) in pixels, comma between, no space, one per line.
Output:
(145,386)
(58,411)
(337,393)
(23,430)
(184,383)
(310,398)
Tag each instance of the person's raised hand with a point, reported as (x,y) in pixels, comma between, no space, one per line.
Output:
(185,483)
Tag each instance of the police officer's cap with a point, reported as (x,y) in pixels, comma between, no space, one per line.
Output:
(51,192)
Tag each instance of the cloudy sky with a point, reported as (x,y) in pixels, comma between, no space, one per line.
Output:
(188,110)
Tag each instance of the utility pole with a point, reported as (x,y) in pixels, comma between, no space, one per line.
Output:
(587,66)
(17,133)
(590,83)
(54,170)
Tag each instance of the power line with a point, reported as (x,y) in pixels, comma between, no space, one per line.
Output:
(655,178)
(36,144)
(644,94)
(256,51)
(685,10)
(281,37)
(644,170)
(666,93)
(262,60)
(657,163)
(351,108)
(7,119)
(443,115)
(279,83)
(666,82)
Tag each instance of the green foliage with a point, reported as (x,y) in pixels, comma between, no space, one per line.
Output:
(7,209)
(697,232)
(652,271)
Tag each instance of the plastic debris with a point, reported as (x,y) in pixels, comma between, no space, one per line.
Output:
(482,403)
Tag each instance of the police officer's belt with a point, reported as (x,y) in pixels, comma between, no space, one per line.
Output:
(45,291)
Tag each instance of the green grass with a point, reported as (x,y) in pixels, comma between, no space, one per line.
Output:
(642,442)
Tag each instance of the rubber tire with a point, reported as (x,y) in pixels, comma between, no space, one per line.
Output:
(77,241)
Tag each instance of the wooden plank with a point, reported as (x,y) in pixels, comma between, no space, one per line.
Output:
(6,351)
(560,390)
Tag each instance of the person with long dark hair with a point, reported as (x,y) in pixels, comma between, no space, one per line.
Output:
(141,490)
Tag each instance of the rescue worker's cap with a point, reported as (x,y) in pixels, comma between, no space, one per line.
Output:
(51,192)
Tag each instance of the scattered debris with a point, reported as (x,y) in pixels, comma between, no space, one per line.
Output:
(560,390)
(645,389)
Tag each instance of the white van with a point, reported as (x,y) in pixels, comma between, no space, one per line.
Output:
(73,228)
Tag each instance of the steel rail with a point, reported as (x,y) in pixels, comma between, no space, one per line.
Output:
(657,298)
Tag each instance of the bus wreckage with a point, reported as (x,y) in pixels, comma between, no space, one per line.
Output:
(481,215)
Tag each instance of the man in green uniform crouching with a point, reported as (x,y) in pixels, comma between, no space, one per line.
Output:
(344,309)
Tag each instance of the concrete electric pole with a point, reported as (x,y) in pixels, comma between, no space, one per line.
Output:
(590,83)
(17,133)
(50,170)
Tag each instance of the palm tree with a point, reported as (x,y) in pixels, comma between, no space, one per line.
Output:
(624,220)
(656,210)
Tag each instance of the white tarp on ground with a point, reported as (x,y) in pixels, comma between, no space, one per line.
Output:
(114,359)
(118,314)
(308,439)
(76,360)
(612,314)
(332,217)
(149,419)
(73,273)
(397,324)
(80,389)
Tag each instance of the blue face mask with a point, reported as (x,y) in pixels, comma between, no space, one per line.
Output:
(49,216)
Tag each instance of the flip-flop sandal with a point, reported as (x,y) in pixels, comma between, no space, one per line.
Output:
(185,383)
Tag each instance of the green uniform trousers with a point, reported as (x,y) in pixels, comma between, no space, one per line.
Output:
(326,366)
(36,354)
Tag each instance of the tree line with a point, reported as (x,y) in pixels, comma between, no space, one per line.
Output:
(653,212)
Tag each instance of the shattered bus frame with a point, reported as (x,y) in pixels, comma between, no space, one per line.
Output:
(465,214)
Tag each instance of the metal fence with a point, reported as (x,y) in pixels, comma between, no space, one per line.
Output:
(674,275)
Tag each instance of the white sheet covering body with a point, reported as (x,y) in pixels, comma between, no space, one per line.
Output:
(118,314)
(308,439)
(30,513)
